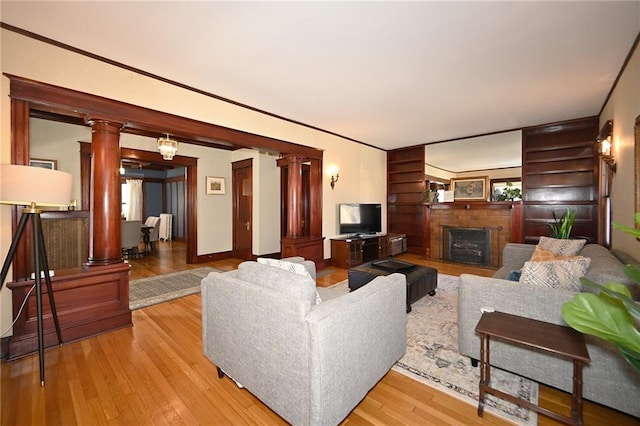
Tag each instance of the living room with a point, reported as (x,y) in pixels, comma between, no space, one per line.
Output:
(361,167)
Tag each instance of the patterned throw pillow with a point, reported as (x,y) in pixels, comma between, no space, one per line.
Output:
(542,255)
(561,247)
(556,273)
(296,268)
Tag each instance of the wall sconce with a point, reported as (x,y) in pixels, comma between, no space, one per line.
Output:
(604,144)
(332,171)
(167,147)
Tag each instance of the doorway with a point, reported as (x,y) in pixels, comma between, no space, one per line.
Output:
(242,184)
(188,217)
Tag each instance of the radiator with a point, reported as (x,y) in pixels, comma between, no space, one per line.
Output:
(166,226)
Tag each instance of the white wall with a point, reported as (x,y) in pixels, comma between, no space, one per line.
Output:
(59,141)
(623,107)
(266,201)
(493,173)
(362,168)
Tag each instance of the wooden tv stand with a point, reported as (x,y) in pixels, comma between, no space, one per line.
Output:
(347,252)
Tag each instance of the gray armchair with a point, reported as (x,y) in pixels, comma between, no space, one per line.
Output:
(310,363)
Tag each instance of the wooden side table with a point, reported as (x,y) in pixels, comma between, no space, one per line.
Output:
(556,339)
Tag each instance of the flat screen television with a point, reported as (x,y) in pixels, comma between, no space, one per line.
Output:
(358,218)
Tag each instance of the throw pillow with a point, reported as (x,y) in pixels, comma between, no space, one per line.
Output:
(514,275)
(542,255)
(561,247)
(296,268)
(556,273)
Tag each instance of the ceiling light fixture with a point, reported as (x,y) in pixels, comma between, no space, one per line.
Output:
(167,147)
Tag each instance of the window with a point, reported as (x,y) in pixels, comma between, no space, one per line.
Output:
(125,189)
(506,189)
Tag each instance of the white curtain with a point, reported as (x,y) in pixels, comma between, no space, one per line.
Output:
(135,199)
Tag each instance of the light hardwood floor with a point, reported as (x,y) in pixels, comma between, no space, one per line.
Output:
(155,373)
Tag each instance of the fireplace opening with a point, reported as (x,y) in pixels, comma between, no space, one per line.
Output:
(467,245)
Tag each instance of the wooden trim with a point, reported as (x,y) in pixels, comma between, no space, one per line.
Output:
(139,119)
(88,303)
(202,258)
(622,69)
(85,175)
(20,155)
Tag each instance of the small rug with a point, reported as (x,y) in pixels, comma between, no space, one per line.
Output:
(432,355)
(151,291)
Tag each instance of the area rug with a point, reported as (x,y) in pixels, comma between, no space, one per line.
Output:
(432,355)
(158,289)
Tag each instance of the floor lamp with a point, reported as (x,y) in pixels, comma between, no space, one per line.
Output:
(34,187)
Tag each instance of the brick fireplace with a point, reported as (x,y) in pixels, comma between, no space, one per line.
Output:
(466,245)
(502,220)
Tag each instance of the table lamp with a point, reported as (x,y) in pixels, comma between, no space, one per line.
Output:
(34,187)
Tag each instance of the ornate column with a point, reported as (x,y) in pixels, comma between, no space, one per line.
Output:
(295,243)
(104,224)
(315,197)
(294,208)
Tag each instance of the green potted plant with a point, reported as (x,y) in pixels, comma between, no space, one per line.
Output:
(561,228)
(509,193)
(430,196)
(611,315)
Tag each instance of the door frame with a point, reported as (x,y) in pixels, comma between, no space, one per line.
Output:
(236,165)
(43,100)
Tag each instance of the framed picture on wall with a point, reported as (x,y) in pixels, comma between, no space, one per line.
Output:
(45,164)
(215,185)
(474,188)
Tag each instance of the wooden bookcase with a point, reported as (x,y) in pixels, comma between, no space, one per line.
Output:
(560,170)
(405,189)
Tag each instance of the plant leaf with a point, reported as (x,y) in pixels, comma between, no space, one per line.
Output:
(633,272)
(616,291)
(631,357)
(627,229)
(605,318)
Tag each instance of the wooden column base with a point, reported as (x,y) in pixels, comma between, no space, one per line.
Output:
(311,248)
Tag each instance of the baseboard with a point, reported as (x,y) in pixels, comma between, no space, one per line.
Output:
(202,258)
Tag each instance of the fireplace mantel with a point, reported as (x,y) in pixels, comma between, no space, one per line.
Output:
(478,214)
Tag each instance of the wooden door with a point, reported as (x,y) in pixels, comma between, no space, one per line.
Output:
(242,183)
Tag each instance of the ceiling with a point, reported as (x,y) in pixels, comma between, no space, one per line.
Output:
(388,74)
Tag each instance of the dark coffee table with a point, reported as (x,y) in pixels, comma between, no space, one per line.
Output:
(421,280)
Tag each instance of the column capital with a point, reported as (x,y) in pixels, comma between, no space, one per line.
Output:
(104,124)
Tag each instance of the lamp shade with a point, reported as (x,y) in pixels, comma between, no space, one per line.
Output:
(23,185)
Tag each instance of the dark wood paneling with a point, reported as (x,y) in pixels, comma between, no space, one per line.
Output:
(141,120)
(87,302)
(405,189)
(560,171)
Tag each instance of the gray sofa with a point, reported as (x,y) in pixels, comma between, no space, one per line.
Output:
(608,379)
(310,363)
